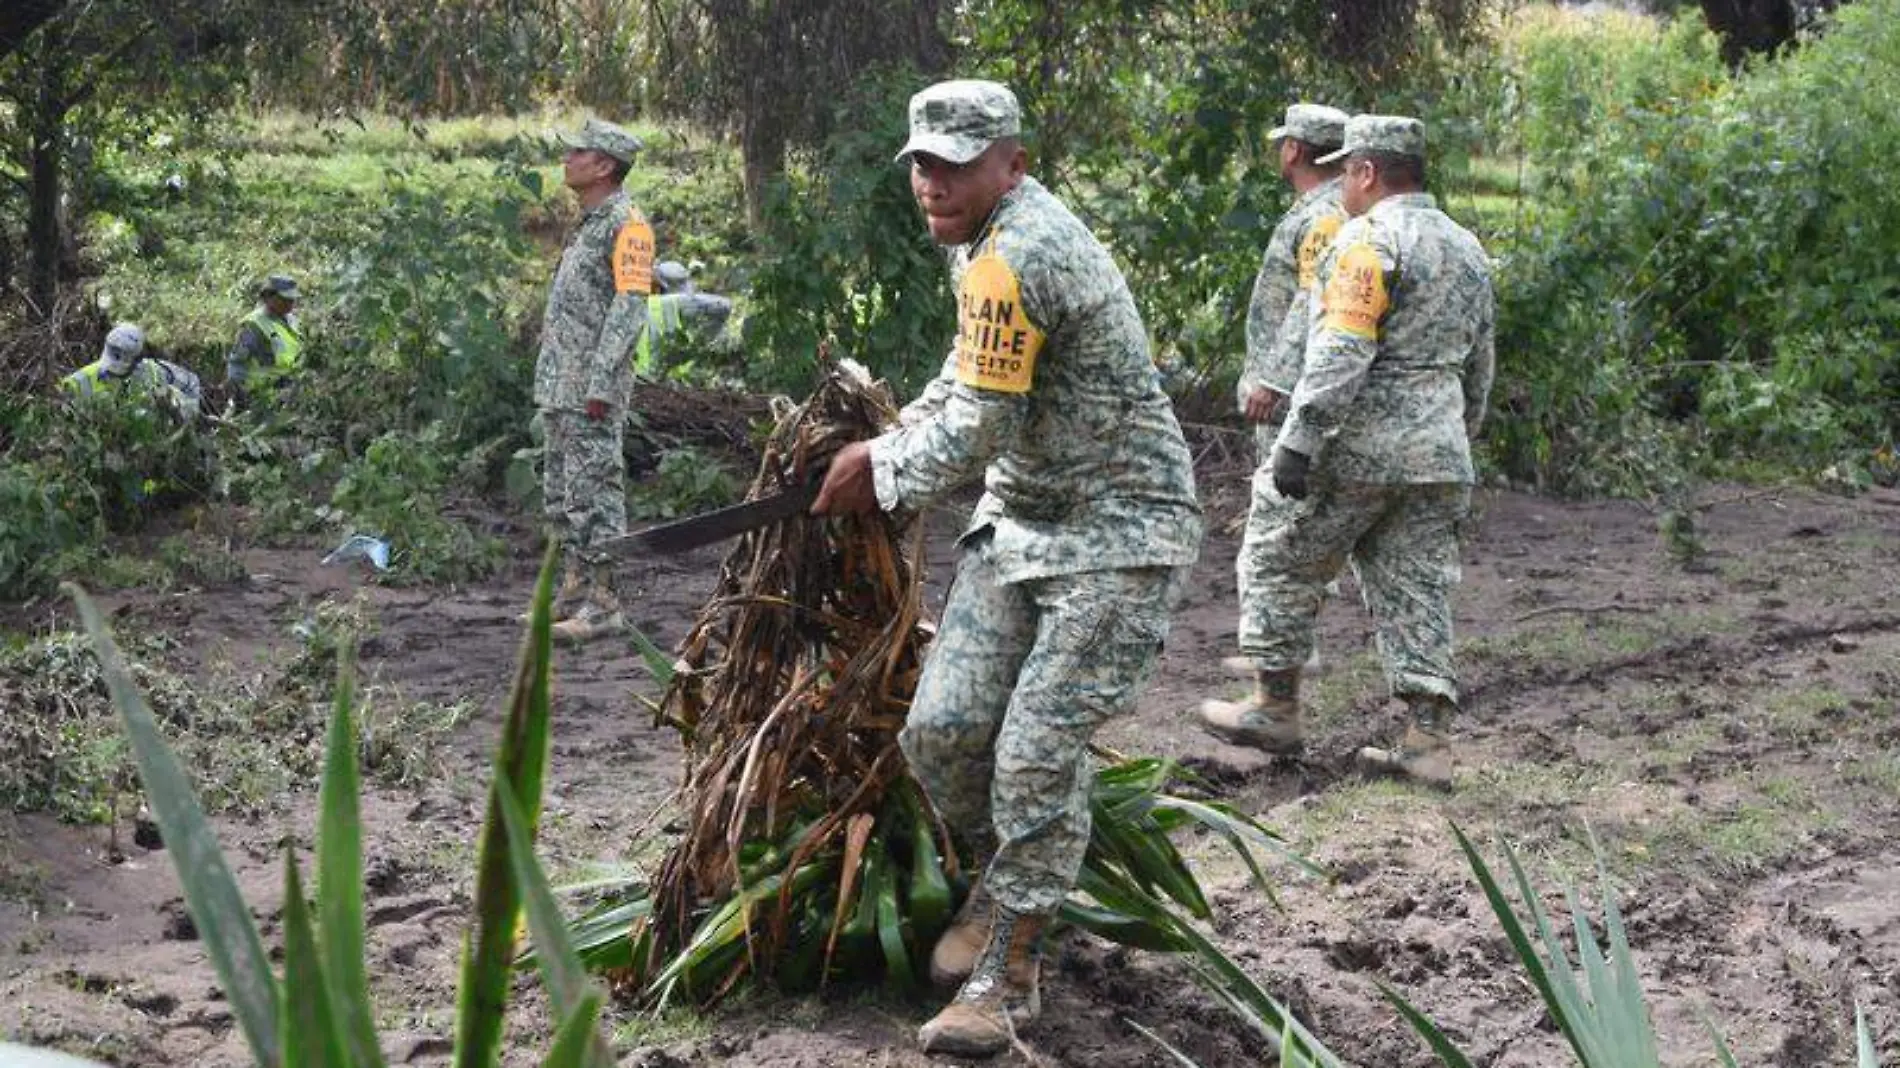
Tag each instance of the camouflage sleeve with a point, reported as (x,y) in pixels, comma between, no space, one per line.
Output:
(607,365)
(251,348)
(1272,293)
(1481,365)
(711,310)
(1283,369)
(921,461)
(1341,346)
(930,402)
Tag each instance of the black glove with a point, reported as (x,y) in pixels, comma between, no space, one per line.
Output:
(1289,473)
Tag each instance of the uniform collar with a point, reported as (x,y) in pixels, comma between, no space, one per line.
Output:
(1330,185)
(1004,204)
(618,196)
(1402,201)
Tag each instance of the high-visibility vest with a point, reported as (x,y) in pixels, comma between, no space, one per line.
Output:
(663,316)
(286,339)
(90,379)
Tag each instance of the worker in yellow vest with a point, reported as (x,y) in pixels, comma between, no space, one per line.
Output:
(123,361)
(269,342)
(673,304)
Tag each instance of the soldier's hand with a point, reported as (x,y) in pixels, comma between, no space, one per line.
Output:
(849,487)
(1261,403)
(1289,473)
(596,409)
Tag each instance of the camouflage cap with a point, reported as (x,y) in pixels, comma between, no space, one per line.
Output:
(1395,135)
(605,138)
(280,285)
(1315,124)
(957,120)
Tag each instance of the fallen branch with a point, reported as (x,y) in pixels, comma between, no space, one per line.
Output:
(1581,609)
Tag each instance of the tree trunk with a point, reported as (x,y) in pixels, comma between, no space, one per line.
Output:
(47,124)
(1750,26)
(762,144)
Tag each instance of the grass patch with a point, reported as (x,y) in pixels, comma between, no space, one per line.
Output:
(247,737)
(1759,831)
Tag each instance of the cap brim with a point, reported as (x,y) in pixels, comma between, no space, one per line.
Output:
(1277,133)
(1333,157)
(943,146)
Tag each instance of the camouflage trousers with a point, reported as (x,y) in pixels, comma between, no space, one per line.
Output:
(1402,542)
(1019,678)
(583,482)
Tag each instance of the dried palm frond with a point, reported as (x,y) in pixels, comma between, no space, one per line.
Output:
(789,690)
(807,850)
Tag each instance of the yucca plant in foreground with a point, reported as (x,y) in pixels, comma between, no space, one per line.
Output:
(1605,1017)
(319,1013)
(809,852)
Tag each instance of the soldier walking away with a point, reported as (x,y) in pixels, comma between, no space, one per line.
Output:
(1276,349)
(269,347)
(596,316)
(1376,450)
(1070,560)
(675,304)
(123,362)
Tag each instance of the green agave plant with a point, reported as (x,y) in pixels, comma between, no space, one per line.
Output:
(1605,1017)
(319,1013)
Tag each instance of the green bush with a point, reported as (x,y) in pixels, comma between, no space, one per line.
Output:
(1712,252)
(397,491)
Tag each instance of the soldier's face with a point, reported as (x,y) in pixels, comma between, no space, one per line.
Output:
(1289,155)
(278,305)
(582,167)
(957,198)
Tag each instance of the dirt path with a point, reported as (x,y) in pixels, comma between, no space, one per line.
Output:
(1727,733)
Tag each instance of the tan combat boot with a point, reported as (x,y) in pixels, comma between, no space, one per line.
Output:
(1424,754)
(599,612)
(1000,998)
(958,948)
(567,596)
(1269,720)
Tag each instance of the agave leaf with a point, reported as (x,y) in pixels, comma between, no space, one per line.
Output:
(1121,928)
(223,919)
(657,663)
(561,969)
(311,1037)
(1513,929)
(1448,1052)
(577,1039)
(522,757)
(1864,1039)
(1572,1007)
(1634,1022)
(890,932)
(340,875)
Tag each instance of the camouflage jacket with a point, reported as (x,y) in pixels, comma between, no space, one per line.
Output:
(1050,394)
(597,310)
(1276,320)
(1399,359)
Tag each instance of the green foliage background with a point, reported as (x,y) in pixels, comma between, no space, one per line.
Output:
(1693,266)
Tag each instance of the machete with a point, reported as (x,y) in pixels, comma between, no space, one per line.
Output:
(709,527)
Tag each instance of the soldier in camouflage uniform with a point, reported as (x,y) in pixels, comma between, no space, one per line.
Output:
(1061,599)
(1376,450)
(1276,348)
(596,315)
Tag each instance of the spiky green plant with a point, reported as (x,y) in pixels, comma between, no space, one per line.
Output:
(1605,1017)
(319,1013)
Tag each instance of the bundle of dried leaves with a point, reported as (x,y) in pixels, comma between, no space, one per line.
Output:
(789,691)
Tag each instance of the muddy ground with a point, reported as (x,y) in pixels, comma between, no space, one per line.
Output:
(1726,730)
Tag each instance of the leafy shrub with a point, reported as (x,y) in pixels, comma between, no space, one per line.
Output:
(1707,247)
(686,481)
(846,259)
(43,510)
(396,491)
